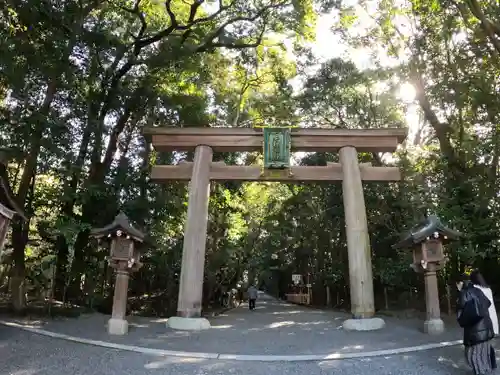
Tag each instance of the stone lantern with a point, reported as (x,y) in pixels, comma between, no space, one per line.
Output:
(426,239)
(9,207)
(124,257)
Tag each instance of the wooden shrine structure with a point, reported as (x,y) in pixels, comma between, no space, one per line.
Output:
(426,240)
(124,256)
(277,145)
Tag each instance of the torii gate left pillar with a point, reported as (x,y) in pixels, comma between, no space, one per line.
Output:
(205,141)
(193,249)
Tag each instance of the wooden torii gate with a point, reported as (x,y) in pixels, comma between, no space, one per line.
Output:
(205,141)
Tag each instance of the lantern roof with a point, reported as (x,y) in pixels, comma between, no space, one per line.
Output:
(425,229)
(120,223)
(8,202)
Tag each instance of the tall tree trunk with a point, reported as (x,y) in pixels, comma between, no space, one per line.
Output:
(75,171)
(20,230)
(95,207)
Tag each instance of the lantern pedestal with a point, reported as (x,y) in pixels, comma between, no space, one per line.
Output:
(433,324)
(188,324)
(118,325)
(367,324)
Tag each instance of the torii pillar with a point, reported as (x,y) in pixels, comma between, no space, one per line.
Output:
(193,250)
(358,246)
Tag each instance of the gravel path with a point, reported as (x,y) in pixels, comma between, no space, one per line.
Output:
(274,328)
(23,353)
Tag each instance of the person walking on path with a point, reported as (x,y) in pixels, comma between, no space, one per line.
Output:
(473,317)
(479,282)
(252,297)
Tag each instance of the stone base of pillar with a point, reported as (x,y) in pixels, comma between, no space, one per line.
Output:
(117,326)
(434,326)
(188,324)
(368,324)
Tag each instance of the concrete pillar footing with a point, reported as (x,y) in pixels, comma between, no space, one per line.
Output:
(188,324)
(367,324)
(434,326)
(117,326)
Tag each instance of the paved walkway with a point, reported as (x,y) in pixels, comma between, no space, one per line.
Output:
(274,328)
(24,353)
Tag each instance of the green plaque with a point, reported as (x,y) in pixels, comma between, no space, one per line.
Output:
(277,148)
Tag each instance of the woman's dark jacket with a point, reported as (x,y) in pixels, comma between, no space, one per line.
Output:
(475,332)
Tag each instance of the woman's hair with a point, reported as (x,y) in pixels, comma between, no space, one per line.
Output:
(477,279)
(463,278)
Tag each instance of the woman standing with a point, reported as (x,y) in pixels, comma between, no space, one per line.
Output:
(474,318)
(479,282)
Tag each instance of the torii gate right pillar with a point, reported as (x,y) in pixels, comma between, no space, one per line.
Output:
(358,246)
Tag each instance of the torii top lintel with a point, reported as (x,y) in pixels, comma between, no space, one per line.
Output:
(250,139)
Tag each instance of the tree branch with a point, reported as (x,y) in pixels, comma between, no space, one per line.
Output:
(174,25)
(210,44)
(136,12)
(442,129)
(488,27)
(194,9)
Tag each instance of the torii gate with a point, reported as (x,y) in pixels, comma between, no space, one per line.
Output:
(278,142)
